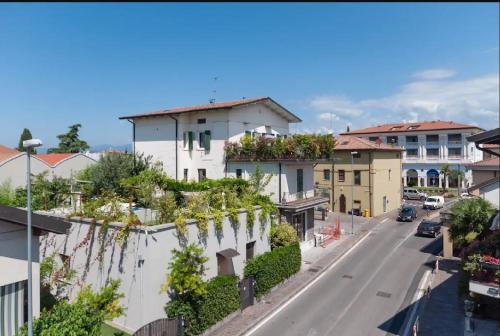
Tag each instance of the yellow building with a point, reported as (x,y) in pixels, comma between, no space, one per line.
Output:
(374,177)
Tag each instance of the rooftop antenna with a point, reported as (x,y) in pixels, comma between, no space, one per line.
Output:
(214,91)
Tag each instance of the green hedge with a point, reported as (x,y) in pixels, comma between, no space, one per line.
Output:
(271,268)
(221,299)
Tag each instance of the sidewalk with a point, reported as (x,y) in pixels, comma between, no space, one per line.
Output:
(315,261)
(443,313)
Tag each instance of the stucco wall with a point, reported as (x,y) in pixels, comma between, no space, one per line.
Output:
(141,282)
(480,176)
(70,167)
(13,259)
(156,136)
(386,177)
(14,170)
(491,193)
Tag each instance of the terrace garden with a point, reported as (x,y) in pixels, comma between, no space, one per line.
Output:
(293,147)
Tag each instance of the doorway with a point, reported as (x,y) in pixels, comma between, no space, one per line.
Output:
(300,183)
(342,203)
(299,223)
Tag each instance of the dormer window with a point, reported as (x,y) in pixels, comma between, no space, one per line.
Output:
(413,127)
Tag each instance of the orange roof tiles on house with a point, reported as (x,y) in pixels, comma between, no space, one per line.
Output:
(435,125)
(6,153)
(351,143)
(491,162)
(212,106)
(54,158)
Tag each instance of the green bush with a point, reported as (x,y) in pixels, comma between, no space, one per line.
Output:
(283,235)
(222,297)
(271,268)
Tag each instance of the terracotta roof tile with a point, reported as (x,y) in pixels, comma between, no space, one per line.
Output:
(491,162)
(210,106)
(6,153)
(345,142)
(54,158)
(434,125)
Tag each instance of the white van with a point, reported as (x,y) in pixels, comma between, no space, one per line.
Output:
(433,202)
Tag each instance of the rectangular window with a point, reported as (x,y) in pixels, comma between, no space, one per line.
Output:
(239,173)
(411,139)
(432,138)
(373,138)
(250,250)
(433,152)
(185,174)
(326,174)
(300,181)
(204,138)
(455,138)
(202,121)
(389,171)
(357,155)
(357,177)
(412,152)
(455,152)
(188,140)
(392,140)
(202,174)
(341,175)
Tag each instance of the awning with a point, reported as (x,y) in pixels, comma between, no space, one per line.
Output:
(228,253)
(302,204)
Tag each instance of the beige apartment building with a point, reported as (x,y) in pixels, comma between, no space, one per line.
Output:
(374,176)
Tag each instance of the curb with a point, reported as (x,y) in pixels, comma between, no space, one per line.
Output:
(298,289)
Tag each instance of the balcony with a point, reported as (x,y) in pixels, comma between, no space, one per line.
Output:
(432,143)
(412,143)
(288,197)
(432,157)
(455,143)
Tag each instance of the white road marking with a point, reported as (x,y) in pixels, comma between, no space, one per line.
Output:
(385,220)
(418,294)
(264,321)
(368,282)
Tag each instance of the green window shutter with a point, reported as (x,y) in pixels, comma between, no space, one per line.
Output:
(190,136)
(185,139)
(208,137)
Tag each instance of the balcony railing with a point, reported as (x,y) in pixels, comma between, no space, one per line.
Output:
(432,143)
(411,143)
(288,197)
(454,142)
(432,157)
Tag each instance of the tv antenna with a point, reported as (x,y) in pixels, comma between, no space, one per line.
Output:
(214,91)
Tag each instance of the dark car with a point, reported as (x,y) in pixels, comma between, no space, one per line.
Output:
(428,228)
(407,214)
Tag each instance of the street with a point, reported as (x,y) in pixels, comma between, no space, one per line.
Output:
(366,293)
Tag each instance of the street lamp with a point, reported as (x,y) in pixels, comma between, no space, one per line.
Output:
(29,144)
(352,192)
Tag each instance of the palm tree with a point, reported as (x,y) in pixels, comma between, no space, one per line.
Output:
(445,171)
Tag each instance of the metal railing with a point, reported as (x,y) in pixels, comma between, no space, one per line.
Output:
(290,197)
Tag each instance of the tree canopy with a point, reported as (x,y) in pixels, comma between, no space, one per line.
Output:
(26,135)
(70,142)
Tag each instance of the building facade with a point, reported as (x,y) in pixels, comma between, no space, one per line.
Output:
(14,268)
(428,146)
(363,174)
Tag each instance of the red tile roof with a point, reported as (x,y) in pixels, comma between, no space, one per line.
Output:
(54,158)
(212,106)
(434,125)
(349,143)
(6,153)
(490,146)
(490,162)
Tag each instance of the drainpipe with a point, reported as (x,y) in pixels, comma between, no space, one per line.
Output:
(279,182)
(176,148)
(332,191)
(133,138)
(370,196)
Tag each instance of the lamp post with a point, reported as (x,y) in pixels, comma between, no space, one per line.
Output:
(352,192)
(29,144)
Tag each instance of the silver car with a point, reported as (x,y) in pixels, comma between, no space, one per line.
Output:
(412,193)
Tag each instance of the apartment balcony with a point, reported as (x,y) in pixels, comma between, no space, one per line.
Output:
(454,143)
(411,143)
(432,157)
(432,143)
(295,202)
(455,157)
(291,197)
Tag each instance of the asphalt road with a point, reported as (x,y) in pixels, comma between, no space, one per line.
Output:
(367,293)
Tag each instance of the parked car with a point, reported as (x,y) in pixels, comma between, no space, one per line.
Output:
(407,214)
(465,195)
(412,193)
(429,228)
(433,202)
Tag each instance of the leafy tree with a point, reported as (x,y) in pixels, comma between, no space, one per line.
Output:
(259,180)
(26,135)
(185,279)
(109,172)
(81,318)
(283,235)
(70,142)
(445,171)
(469,219)
(7,194)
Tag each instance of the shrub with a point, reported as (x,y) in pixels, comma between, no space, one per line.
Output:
(283,235)
(271,268)
(7,193)
(222,297)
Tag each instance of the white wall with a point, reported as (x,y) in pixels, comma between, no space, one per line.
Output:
(491,193)
(141,285)
(156,137)
(70,167)
(13,259)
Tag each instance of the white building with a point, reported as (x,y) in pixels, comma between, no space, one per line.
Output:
(14,268)
(13,165)
(189,141)
(428,146)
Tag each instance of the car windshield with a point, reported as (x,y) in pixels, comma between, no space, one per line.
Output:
(427,224)
(431,200)
(406,210)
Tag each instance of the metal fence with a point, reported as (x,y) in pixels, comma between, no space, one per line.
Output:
(162,327)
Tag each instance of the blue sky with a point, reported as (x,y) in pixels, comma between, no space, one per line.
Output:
(337,64)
